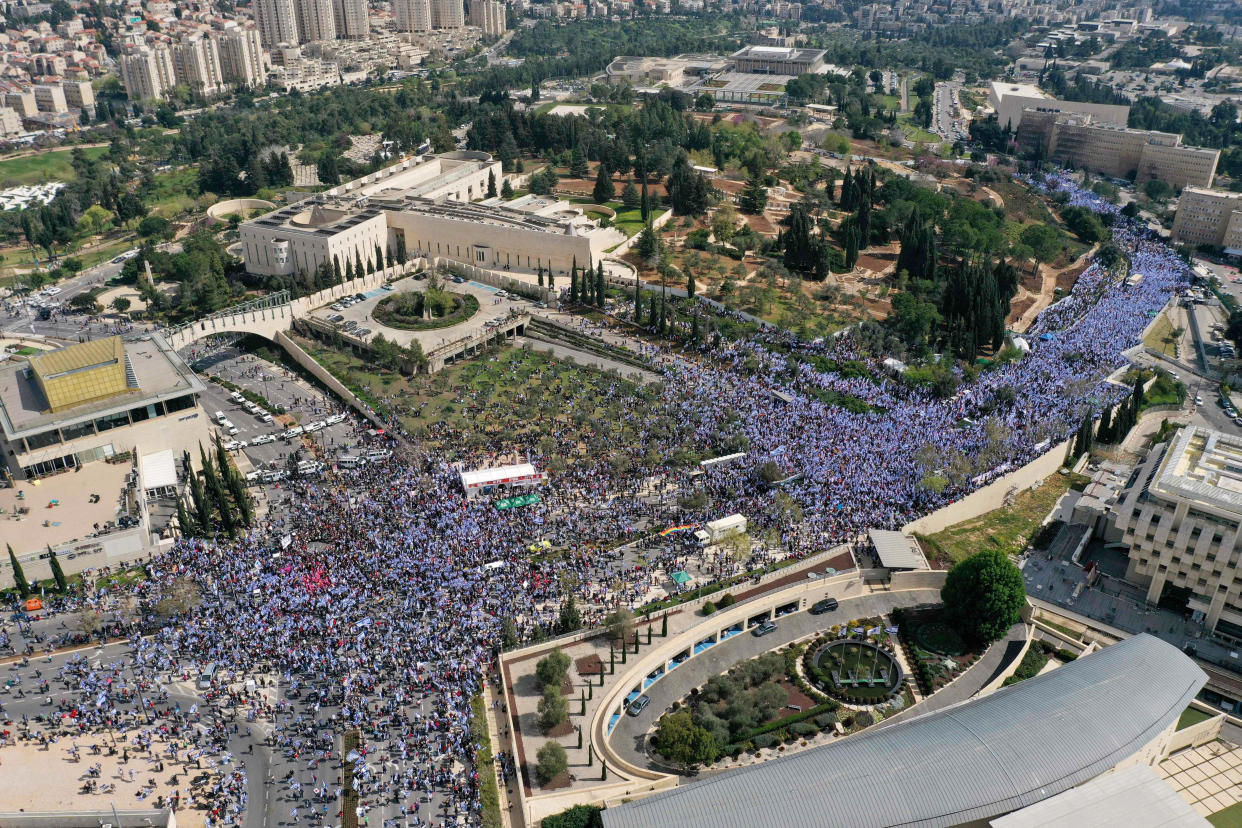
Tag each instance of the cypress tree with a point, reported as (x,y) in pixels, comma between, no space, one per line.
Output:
(573,286)
(689,284)
(1105,431)
(183,519)
(19,575)
(58,574)
(600,288)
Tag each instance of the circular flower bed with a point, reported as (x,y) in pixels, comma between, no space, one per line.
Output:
(858,672)
(425,311)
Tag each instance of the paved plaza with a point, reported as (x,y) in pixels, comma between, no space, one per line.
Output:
(1209,777)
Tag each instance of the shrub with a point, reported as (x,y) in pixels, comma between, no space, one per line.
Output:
(826,719)
(727,600)
(864,719)
(708,607)
(552,669)
(553,709)
(765,740)
(803,729)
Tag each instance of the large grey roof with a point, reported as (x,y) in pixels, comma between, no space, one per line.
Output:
(897,550)
(972,761)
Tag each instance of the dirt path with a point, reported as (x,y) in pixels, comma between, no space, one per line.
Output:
(1047,290)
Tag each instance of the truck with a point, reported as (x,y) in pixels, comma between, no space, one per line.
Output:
(717,530)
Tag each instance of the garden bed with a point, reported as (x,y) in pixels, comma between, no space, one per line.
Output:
(425,311)
(933,669)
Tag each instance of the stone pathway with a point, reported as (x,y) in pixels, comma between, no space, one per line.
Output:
(1209,777)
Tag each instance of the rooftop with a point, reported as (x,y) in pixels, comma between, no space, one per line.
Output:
(150,371)
(1135,797)
(1204,467)
(965,763)
(778,53)
(81,373)
(1020,90)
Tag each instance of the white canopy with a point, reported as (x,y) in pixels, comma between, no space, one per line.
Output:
(158,470)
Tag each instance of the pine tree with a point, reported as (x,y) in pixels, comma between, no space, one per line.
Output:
(506,190)
(19,575)
(754,197)
(629,196)
(578,163)
(58,574)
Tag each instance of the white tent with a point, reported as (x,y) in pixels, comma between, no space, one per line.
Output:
(158,472)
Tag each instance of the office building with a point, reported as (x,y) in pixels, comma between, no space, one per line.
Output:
(61,409)
(412,15)
(196,64)
(447,14)
(277,21)
(316,20)
(353,19)
(488,15)
(147,74)
(1180,515)
(777,60)
(1010,100)
(241,57)
(1076,140)
(1211,217)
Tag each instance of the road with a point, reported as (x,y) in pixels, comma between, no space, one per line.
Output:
(947,113)
(21,318)
(630,734)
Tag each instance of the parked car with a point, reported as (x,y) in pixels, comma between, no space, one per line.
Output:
(826,605)
(290,433)
(763,629)
(334,419)
(315,426)
(639,705)
(263,439)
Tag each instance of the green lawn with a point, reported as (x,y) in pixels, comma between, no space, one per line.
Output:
(1007,529)
(174,192)
(1231,817)
(887,101)
(1190,716)
(45,166)
(915,132)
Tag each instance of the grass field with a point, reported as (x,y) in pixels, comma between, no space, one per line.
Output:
(1007,529)
(1231,817)
(45,166)
(174,192)
(915,132)
(1190,716)
(1161,338)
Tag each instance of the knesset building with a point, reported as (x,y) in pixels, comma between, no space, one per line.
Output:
(432,206)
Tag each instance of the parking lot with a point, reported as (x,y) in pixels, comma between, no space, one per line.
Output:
(492,307)
(303,403)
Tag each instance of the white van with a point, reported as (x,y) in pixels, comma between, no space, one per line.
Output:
(290,433)
(350,461)
(379,454)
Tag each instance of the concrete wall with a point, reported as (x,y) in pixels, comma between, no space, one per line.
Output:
(499,279)
(88,553)
(658,222)
(991,496)
(323,375)
(498,244)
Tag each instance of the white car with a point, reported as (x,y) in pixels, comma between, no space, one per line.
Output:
(235,445)
(52,291)
(315,426)
(263,439)
(263,416)
(220,418)
(334,419)
(290,433)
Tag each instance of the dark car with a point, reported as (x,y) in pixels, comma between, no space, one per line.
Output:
(826,605)
(638,705)
(360,297)
(763,629)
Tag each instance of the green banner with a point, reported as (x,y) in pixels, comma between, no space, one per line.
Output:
(514,502)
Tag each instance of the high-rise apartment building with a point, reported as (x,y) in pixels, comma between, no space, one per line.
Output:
(49,98)
(353,19)
(23,101)
(197,65)
(10,122)
(241,57)
(447,14)
(488,15)
(1209,217)
(316,20)
(81,95)
(278,22)
(412,15)
(147,73)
